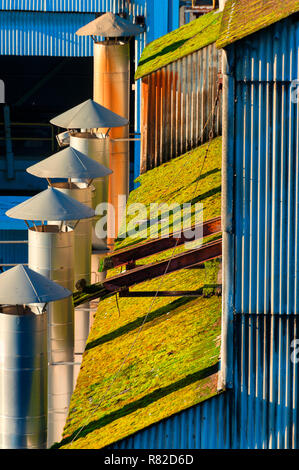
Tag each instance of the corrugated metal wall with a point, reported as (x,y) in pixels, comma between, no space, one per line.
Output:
(261,409)
(44,34)
(176,104)
(83,6)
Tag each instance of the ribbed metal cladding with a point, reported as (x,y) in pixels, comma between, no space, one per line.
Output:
(23,379)
(265,391)
(267,176)
(83,6)
(44,34)
(204,426)
(176,104)
(265,220)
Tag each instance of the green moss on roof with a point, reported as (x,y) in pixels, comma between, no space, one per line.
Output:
(244,17)
(175,182)
(174,361)
(179,43)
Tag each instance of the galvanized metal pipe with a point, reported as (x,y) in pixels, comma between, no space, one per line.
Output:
(51,253)
(97,147)
(82,258)
(23,379)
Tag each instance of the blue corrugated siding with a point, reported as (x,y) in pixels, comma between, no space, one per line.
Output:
(261,409)
(82,6)
(44,34)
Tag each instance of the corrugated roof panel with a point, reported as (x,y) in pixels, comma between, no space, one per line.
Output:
(82,6)
(44,34)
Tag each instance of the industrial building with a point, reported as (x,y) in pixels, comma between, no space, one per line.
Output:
(188,334)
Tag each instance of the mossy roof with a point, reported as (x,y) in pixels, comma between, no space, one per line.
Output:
(133,376)
(179,43)
(244,17)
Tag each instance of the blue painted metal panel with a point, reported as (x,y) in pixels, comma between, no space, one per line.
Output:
(82,6)
(199,427)
(266,168)
(44,34)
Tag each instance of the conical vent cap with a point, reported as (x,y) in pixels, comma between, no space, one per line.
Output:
(69,163)
(110,25)
(21,285)
(51,204)
(88,115)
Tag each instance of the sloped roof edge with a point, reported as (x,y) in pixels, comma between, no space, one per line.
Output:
(179,43)
(244,17)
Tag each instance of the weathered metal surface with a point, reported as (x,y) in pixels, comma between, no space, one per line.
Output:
(177,102)
(157,245)
(23,381)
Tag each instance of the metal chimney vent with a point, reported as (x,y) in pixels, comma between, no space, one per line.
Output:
(89,115)
(110,25)
(21,285)
(69,163)
(51,204)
